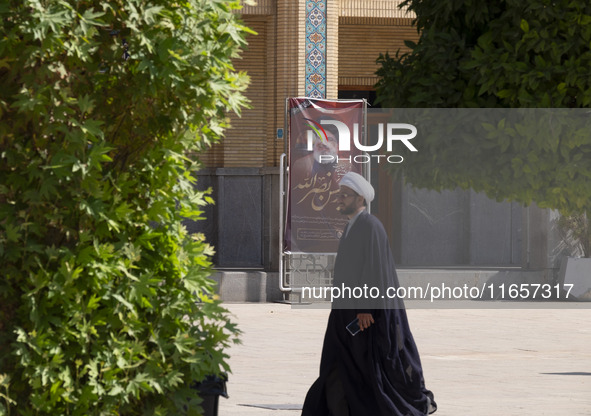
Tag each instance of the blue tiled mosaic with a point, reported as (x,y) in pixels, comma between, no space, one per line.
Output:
(316,48)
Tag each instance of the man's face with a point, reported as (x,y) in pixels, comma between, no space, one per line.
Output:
(348,201)
(322,148)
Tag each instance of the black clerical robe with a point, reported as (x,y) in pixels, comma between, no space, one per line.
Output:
(379,368)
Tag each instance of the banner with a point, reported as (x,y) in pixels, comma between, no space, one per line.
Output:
(320,151)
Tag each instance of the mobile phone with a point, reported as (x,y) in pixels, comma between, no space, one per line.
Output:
(353,327)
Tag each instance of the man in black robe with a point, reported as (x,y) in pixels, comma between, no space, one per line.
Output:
(376,372)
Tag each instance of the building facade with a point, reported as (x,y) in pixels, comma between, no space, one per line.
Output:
(328,49)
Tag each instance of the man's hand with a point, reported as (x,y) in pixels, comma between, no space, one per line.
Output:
(365,320)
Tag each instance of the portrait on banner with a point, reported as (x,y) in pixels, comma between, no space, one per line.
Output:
(317,162)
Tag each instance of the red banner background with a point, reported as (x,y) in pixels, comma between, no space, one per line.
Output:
(313,224)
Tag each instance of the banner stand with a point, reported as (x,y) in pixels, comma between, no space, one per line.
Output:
(303,268)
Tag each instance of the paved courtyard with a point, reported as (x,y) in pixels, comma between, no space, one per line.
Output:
(478,362)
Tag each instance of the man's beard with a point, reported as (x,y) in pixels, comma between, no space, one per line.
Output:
(347,209)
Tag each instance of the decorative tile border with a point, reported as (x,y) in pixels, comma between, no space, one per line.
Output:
(316,48)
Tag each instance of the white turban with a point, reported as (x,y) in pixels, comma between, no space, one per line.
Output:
(359,184)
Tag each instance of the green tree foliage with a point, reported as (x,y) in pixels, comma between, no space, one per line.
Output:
(492,54)
(503,54)
(105,302)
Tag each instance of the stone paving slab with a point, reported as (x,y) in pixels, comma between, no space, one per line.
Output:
(478,362)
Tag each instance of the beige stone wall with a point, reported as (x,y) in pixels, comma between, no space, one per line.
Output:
(373,8)
(290,65)
(361,40)
(258,7)
(246,144)
(275,64)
